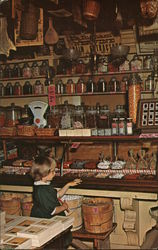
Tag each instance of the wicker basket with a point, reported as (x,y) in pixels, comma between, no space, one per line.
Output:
(24,130)
(9,131)
(45,131)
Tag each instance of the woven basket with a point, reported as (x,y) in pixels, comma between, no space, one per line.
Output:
(10,131)
(45,131)
(24,130)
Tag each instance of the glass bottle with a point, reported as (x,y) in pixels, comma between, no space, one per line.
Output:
(7,72)
(2,116)
(124,66)
(124,84)
(27,88)
(120,111)
(78,118)
(102,118)
(9,89)
(102,85)
(134,95)
(103,65)
(13,114)
(17,89)
(122,126)
(114,125)
(80,67)
(35,70)
(26,71)
(53,117)
(129,126)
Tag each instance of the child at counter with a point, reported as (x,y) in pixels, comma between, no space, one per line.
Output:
(45,196)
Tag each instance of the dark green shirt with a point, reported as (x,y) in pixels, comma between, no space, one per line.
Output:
(44,201)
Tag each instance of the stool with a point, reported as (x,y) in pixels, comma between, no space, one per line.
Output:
(100,241)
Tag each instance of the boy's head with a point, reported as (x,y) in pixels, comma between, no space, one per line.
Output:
(42,167)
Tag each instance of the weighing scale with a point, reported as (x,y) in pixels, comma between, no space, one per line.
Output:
(38,109)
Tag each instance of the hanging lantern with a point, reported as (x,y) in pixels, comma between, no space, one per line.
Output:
(149,8)
(91,9)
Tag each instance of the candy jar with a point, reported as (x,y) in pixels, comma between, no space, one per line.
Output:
(114,85)
(38,88)
(27,88)
(90,86)
(148,62)
(1,72)
(2,116)
(149,83)
(91,117)
(80,67)
(17,89)
(26,71)
(124,66)
(136,63)
(102,85)
(16,72)
(35,69)
(102,118)
(134,95)
(124,84)
(13,114)
(78,118)
(2,89)
(9,89)
(44,68)
(80,87)
(70,87)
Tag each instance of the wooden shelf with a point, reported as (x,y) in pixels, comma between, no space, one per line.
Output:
(21,78)
(103,74)
(23,96)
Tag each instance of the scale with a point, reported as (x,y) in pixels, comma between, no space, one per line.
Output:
(38,109)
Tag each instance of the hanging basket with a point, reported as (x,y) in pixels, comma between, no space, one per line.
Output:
(91,9)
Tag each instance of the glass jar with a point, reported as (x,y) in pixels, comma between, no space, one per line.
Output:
(102,118)
(61,87)
(114,85)
(7,72)
(35,70)
(114,125)
(148,62)
(134,95)
(13,114)
(129,126)
(124,66)
(91,117)
(9,89)
(122,126)
(136,63)
(103,65)
(149,83)
(70,87)
(27,88)
(26,116)
(2,116)
(90,86)
(26,71)
(120,111)
(78,118)
(80,87)
(44,68)
(2,89)
(17,89)
(124,84)
(38,88)
(1,72)
(53,117)
(102,85)
(16,71)
(67,115)
(80,67)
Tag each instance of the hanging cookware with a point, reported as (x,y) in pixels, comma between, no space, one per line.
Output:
(149,8)
(29,21)
(91,9)
(51,36)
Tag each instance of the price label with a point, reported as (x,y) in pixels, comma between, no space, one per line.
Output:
(51,95)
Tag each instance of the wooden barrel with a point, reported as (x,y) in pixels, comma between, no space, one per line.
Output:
(10,206)
(97,214)
(26,205)
(75,207)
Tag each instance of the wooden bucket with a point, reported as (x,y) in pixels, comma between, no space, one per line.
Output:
(91,9)
(97,214)
(75,206)
(10,206)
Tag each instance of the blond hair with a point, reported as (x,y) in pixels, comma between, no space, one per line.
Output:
(42,167)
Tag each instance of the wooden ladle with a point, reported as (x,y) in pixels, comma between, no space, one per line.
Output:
(51,36)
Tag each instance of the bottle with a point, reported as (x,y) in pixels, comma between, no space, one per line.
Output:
(27,88)
(17,89)
(136,63)
(44,68)
(114,85)
(26,71)
(122,126)
(35,69)
(38,88)
(129,126)
(102,85)
(16,72)
(149,83)
(1,72)
(2,89)
(115,126)
(9,89)
(148,62)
